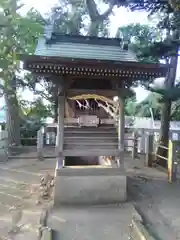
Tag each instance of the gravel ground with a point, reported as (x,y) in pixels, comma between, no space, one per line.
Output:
(16,180)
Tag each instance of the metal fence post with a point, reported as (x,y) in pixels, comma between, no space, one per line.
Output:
(149,140)
(172,162)
(40,142)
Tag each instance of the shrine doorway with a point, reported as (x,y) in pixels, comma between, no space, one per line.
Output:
(81,161)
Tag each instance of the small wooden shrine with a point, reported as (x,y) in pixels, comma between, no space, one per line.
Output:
(88,65)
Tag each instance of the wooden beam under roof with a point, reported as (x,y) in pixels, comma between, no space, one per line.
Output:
(129,71)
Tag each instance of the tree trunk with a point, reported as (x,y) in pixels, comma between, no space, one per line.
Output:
(94,28)
(166,109)
(164,132)
(96,17)
(12,113)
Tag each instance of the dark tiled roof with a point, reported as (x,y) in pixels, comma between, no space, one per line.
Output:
(84,48)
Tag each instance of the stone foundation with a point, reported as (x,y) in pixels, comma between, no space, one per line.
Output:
(89,185)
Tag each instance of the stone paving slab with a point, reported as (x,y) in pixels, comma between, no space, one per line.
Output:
(92,223)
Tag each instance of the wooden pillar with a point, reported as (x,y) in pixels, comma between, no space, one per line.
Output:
(135,146)
(60,128)
(142,141)
(121,130)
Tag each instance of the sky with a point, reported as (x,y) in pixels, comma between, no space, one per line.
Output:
(120,17)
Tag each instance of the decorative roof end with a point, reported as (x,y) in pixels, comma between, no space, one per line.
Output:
(48,31)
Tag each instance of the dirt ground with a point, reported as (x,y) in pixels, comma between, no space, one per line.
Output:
(148,188)
(19,180)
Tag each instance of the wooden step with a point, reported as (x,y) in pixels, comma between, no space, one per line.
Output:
(89,138)
(90,146)
(89,129)
(90,142)
(69,134)
(90,152)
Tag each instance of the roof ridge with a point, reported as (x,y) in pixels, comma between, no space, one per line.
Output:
(55,37)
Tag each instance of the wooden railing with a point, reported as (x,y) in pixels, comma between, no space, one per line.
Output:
(172,156)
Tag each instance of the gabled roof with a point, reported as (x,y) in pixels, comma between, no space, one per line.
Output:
(81,47)
(89,57)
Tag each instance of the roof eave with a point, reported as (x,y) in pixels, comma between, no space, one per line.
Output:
(57,60)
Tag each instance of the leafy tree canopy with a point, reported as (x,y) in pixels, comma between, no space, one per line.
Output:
(141,38)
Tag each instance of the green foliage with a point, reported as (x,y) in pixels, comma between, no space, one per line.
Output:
(34,115)
(28,130)
(18,35)
(175,111)
(68,17)
(151,103)
(29,30)
(168,21)
(164,47)
(130,106)
(144,108)
(172,94)
(36,109)
(148,5)
(141,38)
(77,18)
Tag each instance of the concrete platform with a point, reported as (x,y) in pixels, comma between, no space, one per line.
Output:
(89,186)
(92,222)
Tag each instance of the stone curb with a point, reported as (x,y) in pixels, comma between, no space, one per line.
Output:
(138,231)
(45,233)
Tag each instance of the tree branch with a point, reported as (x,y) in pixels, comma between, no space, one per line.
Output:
(94,13)
(107,12)
(92,10)
(20,6)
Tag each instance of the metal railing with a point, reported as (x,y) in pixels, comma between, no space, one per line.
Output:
(7,151)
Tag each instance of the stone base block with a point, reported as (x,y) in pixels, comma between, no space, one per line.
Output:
(89,186)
